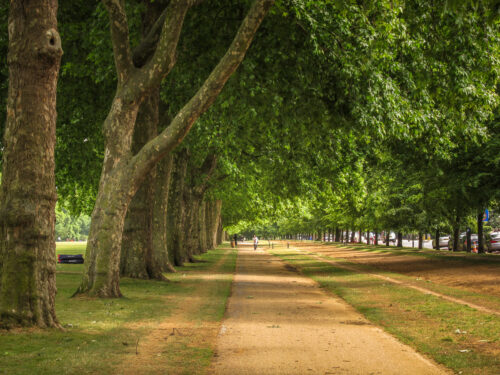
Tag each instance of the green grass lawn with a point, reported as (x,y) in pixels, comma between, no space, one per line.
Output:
(457,336)
(99,333)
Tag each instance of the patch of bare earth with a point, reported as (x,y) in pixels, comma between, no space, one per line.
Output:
(279,322)
(161,350)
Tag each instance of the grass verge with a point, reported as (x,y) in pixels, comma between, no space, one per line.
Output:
(457,336)
(101,333)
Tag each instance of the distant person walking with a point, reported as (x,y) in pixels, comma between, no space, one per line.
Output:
(235,240)
(255,242)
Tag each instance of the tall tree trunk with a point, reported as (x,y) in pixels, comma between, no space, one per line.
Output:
(468,236)
(353,234)
(387,238)
(437,246)
(28,192)
(176,212)
(480,240)
(420,240)
(208,225)
(192,224)
(137,248)
(215,221)
(202,240)
(219,231)
(456,233)
(376,238)
(160,206)
(400,239)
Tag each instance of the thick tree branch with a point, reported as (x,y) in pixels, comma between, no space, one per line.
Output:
(148,44)
(167,140)
(163,59)
(120,38)
(147,47)
(207,169)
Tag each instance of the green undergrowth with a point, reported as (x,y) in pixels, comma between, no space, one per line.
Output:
(100,333)
(459,337)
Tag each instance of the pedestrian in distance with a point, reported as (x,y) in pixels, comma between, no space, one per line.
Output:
(255,242)
(235,240)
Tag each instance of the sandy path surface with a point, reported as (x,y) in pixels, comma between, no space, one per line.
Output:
(279,322)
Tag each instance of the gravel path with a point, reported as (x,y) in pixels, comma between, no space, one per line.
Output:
(279,322)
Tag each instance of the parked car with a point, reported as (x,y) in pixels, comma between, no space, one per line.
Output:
(462,242)
(392,238)
(443,242)
(493,242)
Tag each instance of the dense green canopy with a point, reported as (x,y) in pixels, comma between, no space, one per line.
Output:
(356,114)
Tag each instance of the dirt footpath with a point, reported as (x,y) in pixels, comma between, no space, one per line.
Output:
(279,322)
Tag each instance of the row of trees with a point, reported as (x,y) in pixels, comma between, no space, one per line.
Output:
(342,114)
(131,152)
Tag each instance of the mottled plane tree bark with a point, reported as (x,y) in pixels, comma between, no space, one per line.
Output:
(123,172)
(193,196)
(28,195)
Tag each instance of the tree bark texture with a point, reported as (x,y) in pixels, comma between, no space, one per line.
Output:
(176,212)
(420,240)
(400,239)
(437,240)
(122,173)
(220,230)
(160,206)
(191,225)
(137,248)
(456,233)
(215,221)
(28,195)
(202,239)
(480,239)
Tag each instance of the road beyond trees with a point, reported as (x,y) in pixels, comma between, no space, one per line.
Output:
(279,322)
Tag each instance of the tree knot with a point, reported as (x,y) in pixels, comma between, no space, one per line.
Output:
(50,45)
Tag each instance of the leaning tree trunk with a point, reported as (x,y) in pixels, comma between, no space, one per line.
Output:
(28,195)
(160,206)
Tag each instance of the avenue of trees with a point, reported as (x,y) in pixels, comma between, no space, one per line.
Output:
(177,120)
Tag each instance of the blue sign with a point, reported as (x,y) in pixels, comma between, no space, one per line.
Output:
(486,216)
